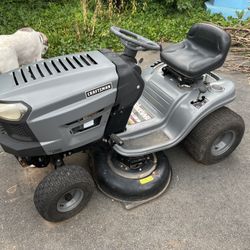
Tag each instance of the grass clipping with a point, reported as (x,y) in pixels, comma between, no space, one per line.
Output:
(239,59)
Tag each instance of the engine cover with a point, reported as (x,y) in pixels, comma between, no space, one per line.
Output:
(70,99)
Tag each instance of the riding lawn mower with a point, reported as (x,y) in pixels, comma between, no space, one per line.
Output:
(102,103)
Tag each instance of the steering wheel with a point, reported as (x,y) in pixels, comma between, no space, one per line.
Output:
(134,41)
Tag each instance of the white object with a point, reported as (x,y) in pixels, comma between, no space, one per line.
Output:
(25,46)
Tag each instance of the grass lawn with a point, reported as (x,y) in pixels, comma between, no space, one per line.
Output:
(72,27)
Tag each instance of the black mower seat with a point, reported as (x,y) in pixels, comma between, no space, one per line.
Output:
(205,49)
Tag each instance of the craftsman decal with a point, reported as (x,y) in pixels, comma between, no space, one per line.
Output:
(139,114)
(98,90)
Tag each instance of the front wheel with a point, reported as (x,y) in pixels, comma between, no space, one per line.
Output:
(215,137)
(63,193)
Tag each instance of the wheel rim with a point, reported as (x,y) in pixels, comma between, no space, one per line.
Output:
(70,200)
(223,143)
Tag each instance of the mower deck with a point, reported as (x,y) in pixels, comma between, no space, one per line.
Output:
(133,204)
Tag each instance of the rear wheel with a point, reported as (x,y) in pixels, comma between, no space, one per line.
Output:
(215,137)
(63,193)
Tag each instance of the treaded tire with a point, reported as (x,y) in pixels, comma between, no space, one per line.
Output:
(200,141)
(55,185)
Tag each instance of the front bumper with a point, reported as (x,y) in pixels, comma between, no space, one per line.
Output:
(18,139)
(20,148)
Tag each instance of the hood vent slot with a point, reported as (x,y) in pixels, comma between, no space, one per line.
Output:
(91,59)
(31,73)
(77,61)
(55,67)
(15,80)
(47,68)
(63,65)
(70,63)
(23,75)
(40,71)
(52,67)
(84,60)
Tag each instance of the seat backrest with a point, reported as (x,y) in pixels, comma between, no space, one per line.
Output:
(211,38)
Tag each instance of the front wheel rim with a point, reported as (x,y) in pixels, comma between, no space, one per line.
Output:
(70,200)
(223,143)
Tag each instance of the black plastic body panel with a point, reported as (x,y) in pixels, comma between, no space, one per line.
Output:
(17,138)
(20,148)
(129,90)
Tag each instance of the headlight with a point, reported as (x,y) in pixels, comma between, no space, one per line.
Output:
(12,111)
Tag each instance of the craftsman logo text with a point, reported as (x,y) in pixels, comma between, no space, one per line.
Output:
(98,90)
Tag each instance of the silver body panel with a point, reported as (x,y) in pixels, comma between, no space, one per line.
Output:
(170,116)
(68,110)
(55,89)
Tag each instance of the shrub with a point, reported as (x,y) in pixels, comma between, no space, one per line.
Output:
(182,5)
(82,25)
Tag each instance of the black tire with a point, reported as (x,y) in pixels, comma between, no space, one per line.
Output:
(222,123)
(70,183)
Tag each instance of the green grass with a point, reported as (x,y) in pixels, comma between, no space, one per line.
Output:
(69,30)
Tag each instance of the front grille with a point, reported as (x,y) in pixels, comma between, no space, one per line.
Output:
(2,130)
(51,67)
(17,131)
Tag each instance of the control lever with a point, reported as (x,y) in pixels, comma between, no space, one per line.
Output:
(202,89)
(201,98)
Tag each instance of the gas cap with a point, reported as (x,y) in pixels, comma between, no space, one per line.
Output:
(216,88)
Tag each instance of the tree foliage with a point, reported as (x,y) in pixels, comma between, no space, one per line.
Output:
(82,25)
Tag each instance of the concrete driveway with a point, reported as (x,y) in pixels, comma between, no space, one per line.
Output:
(206,207)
